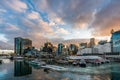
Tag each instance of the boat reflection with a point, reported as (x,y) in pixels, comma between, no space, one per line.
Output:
(21,68)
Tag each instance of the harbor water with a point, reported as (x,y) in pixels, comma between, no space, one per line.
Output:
(19,70)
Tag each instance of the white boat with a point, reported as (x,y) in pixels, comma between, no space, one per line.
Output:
(37,62)
(75,63)
(18,57)
(54,67)
(107,61)
(97,62)
(83,57)
(82,63)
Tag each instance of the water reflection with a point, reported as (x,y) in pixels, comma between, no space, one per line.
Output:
(10,69)
(115,73)
(21,68)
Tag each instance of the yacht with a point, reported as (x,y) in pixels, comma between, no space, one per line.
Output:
(75,63)
(54,67)
(18,57)
(82,63)
(37,62)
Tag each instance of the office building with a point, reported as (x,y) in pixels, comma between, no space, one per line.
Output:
(92,42)
(115,41)
(21,44)
(48,47)
(73,49)
(60,48)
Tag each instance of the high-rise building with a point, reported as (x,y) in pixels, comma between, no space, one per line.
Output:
(60,48)
(73,49)
(115,41)
(48,47)
(92,42)
(27,43)
(21,44)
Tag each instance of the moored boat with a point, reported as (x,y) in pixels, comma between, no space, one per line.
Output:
(82,63)
(37,62)
(18,57)
(54,67)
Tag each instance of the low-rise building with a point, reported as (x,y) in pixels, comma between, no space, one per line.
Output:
(105,48)
(100,49)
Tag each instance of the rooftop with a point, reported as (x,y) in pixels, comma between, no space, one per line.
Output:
(116,32)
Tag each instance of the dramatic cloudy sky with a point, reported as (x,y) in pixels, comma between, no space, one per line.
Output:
(40,20)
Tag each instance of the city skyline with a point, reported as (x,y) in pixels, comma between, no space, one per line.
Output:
(42,20)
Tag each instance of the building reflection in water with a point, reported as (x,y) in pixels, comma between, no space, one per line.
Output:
(115,74)
(21,68)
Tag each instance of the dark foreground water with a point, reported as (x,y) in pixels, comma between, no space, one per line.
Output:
(18,70)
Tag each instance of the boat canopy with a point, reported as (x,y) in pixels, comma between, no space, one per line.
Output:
(83,57)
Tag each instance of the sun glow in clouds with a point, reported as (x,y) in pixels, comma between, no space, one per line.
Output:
(79,34)
(37,19)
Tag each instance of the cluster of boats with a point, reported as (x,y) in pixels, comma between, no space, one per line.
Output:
(46,67)
(54,67)
(36,62)
(83,61)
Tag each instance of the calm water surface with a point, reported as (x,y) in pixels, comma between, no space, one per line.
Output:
(18,70)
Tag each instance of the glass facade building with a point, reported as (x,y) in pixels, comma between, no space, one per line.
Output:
(60,47)
(21,44)
(92,42)
(115,39)
(18,43)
